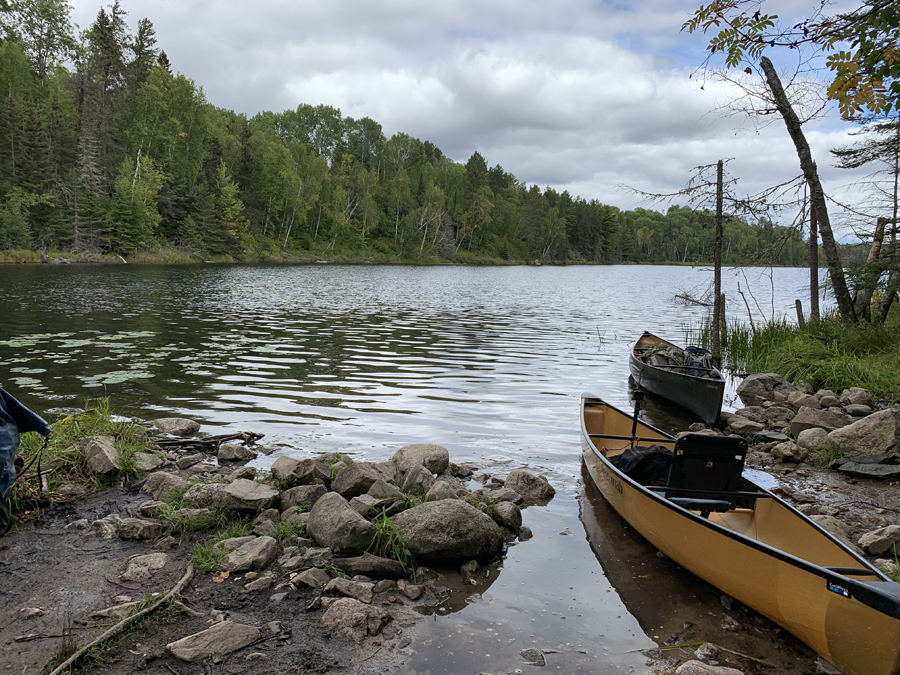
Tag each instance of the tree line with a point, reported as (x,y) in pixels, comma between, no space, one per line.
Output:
(104,148)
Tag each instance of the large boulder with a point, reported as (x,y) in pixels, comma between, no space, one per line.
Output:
(449,530)
(356,479)
(335,524)
(435,458)
(418,480)
(758,388)
(302,495)
(293,472)
(177,426)
(807,418)
(876,434)
(217,641)
(813,439)
(528,485)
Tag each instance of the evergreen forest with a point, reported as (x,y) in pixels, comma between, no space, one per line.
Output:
(106,148)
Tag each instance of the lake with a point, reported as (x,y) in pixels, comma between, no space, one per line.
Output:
(489,362)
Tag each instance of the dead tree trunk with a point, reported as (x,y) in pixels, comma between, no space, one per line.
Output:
(868,281)
(813,264)
(717,263)
(817,194)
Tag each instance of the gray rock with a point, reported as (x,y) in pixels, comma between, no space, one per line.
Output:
(799,399)
(246,472)
(434,458)
(836,527)
(136,528)
(757,388)
(857,410)
(741,426)
(146,461)
(824,393)
(232,544)
(778,415)
(293,472)
(101,456)
(302,495)
(295,517)
(528,485)
(700,668)
(830,402)
(314,557)
(509,516)
(381,489)
(261,584)
(314,577)
(790,452)
(450,529)
(881,541)
(356,479)
(177,426)
(823,667)
(754,413)
(807,418)
(769,437)
(221,639)
(440,490)
(533,657)
(707,651)
(150,508)
(266,523)
(525,533)
(334,523)
(254,555)
(157,484)
(856,396)
(411,591)
(878,433)
(814,438)
(364,503)
(240,494)
(353,620)
(352,589)
(142,566)
(867,470)
(418,480)
(188,461)
(234,452)
(889,567)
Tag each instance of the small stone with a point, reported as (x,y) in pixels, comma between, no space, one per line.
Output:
(177,426)
(232,452)
(188,461)
(221,639)
(146,461)
(730,624)
(30,612)
(533,657)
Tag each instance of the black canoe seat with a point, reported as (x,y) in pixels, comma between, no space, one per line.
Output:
(707,464)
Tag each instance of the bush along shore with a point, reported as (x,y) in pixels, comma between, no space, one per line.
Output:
(840,457)
(176,551)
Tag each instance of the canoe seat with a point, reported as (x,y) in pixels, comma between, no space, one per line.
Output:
(702,505)
(711,465)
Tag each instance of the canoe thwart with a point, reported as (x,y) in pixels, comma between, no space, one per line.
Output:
(711,493)
(704,506)
(631,438)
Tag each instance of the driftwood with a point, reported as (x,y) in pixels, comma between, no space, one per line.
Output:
(207,444)
(125,623)
(371,566)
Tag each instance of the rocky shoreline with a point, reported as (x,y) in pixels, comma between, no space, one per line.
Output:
(264,559)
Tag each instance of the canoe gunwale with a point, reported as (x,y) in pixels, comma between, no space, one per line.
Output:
(876,598)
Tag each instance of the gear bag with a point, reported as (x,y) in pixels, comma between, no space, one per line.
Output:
(15,419)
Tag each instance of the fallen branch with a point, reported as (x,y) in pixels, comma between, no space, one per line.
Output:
(122,625)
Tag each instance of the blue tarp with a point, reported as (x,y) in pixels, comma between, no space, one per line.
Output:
(15,419)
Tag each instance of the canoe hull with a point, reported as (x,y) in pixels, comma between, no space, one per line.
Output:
(700,395)
(851,634)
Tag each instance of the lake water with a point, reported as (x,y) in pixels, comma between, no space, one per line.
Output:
(488,362)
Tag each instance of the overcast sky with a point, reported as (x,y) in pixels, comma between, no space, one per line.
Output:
(573,94)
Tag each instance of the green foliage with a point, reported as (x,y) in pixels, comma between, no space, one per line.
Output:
(205,558)
(178,523)
(484,503)
(826,353)
(287,529)
(389,543)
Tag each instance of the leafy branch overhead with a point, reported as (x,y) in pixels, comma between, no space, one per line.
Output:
(862,46)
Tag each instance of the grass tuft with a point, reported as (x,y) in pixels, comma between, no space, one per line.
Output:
(389,543)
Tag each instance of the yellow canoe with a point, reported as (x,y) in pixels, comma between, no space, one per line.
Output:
(748,543)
